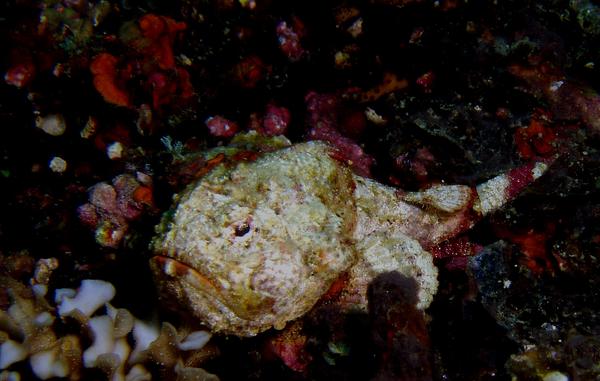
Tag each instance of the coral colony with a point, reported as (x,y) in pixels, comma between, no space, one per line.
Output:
(343,190)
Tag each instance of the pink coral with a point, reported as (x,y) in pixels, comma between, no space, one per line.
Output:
(20,75)
(221,127)
(417,163)
(110,208)
(276,120)
(567,98)
(289,39)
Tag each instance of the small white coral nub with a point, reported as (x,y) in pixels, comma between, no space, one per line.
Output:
(143,334)
(92,295)
(104,341)
(10,353)
(46,365)
(195,340)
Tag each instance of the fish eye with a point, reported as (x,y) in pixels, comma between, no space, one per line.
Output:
(242,229)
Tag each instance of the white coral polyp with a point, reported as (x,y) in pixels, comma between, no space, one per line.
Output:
(90,296)
(138,373)
(46,365)
(10,353)
(104,341)
(122,350)
(143,334)
(195,340)
(44,319)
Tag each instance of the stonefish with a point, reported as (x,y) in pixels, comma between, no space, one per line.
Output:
(255,245)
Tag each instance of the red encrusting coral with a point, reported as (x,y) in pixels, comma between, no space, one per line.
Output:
(290,347)
(108,81)
(20,75)
(151,61)
(537,139)
(160,33)
(249,72)
(534,245)
(323,120)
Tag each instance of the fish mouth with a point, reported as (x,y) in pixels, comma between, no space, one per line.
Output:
(181,278)
(177,282)
(173,268)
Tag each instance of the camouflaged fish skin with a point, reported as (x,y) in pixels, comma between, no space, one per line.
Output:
(253,246)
